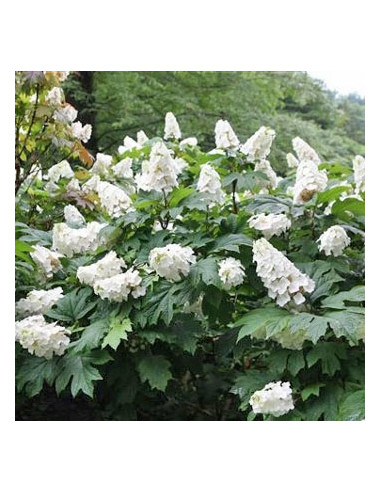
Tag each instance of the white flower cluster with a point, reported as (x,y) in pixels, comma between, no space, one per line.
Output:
(38,302)
(304,151)
(359,173)
(333,241)
(191,141)
(270,225)
(225,136)
(292,161)
(83,133)
(118,287)
(274,399)
(231,272)
(108,266)
(172,260)
(279,275)
(258,146)
(264,166)
(209,182)
(113,200)
(123,169)
(309,180)
(48,261)
(55,96)
(141,138)
(58,171)
(41,338)
(128,144)
(172,129)
(73,217)
(102,164)
(69,242)
(66,114)
(159,173)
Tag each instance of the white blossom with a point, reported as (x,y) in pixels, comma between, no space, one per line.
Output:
(123,168)
(309,181)
(270,224)
(274,399)
(55,96)
(191,141)
(264,166)
(48,261)
(128,144)
(118,287)
(69,242)
(113,199)
(172,129)
(279,275)
(359,173)
(108,266)
(333,241)
(159,172)
(73,216)
(172,260)
(38,301)
(209,182)
(304,151)
(292,161)
(141,138)
(225,136)
(40,338)
(58,171)
(179,165)
(258,146)
(73,185)
(62,76)
(102,164)
(66,114)
(231,272)
(83,133)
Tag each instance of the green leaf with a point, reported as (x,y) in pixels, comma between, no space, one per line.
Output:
(91,336)
(352,407)
(329,353)
(312,389)
(249,382)
(73,306)
(118,331)
(179,194)
(155,370)
(356,294)
(254,323)
(332,193)
(21,248)
(345,208)
(315,326)
(231,242)
(205,269)
(345,323)
(33,373)
(295,362)
(79,370)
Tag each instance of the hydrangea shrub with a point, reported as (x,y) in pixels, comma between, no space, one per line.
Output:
(167,282)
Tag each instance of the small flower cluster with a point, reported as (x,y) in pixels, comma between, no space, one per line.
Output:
(333,241)
(113,200)
(209,182)
(172,129)
(41,338)
(80,132)
(69,242)
(225,137)
(65,114)
(73,217)
(304,151)
(38,302)
(118,287)
(55,173)
(231,272)
(108,266)
(55,96)
(359,173)
(48,261)
(258,146)
(123,169)
(172,260)
(309,181)
(279,275)
(159,173)
(270,225)
(264,166)
(274,399)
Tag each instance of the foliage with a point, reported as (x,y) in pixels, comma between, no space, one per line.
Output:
(194,350)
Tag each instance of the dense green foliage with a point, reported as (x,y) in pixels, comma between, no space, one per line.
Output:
(153,358)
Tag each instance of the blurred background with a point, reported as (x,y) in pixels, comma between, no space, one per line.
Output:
(329,114)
